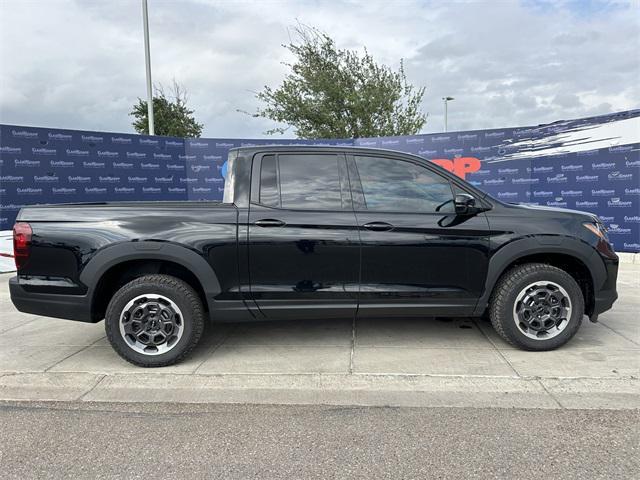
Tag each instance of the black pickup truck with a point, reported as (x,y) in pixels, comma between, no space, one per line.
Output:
(313,232)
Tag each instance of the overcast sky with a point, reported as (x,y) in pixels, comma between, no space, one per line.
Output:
(80,64)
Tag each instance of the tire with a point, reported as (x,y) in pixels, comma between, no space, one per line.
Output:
(536,307)
(154,321)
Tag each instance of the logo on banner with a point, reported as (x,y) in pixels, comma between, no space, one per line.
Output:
(620,176)
(617,203)
(95,190)
(26,163)
(617,229)
(63,191)
(587,178)
(136,179)
(12,178)
(122,165)
(92,139)
(77,153)
(12,150)
(45,178)
(108,179)
(44,151)
(587,204)
(108,154)
(24,134)
(559,178)
(93,164)
(603,166)
(78,179)
(29,191)
(460,165)
(59,136)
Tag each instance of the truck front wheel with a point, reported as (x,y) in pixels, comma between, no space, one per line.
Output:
(154,320)
(536,307)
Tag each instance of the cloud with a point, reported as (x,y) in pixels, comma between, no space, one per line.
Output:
(81,64)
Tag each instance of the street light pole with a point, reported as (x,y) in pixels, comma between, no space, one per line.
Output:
(445,100)
(147,59)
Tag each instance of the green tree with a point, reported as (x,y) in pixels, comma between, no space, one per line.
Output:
(335,93)
(172,117)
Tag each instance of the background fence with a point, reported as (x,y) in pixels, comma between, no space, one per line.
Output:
(589,164)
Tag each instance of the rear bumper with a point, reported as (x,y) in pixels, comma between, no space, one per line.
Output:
(70,307)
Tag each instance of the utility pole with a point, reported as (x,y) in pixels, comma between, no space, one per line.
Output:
(445,100)
(147,59)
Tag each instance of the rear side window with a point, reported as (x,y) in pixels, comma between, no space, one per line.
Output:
(309,182)
(269,194)
(395,185)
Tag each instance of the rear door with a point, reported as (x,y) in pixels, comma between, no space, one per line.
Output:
(304,251)
(418,256)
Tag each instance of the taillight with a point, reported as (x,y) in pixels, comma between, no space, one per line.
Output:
(21,243)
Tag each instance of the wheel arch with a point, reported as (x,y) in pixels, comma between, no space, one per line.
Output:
(109,268)
(571,255)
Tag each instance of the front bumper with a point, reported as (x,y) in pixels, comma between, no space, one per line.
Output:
(70,307)
(607,295)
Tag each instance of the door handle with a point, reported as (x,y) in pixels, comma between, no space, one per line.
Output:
(378,226)
(269,222)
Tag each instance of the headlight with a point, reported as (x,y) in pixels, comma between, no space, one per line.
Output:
(598,228)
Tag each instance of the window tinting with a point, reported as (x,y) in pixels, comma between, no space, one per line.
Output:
(269,182)
(309,182)
(395,185)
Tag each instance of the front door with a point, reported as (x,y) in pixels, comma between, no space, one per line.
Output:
(304,251)
(418,256)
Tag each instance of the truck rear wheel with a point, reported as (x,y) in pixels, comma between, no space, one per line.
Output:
(536,307)
(154,320)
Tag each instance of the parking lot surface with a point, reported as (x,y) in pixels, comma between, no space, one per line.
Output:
(408,362)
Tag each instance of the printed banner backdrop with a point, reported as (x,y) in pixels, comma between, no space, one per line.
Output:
(590,164)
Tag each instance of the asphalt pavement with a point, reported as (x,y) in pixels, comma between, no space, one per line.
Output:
(105,440)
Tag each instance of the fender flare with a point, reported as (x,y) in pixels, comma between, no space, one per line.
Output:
(532,245)
(111,256)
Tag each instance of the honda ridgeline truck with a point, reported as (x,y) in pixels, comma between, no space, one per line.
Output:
(313,232)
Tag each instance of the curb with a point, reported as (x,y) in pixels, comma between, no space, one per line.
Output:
(327,389)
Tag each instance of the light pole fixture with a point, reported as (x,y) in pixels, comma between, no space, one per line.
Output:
(445,100)
(147,60)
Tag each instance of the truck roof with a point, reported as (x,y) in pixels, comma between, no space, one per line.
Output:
(324,148)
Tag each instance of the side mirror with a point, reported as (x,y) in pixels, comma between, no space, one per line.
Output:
(464,203)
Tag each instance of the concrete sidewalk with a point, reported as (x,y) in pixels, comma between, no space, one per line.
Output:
(416,362)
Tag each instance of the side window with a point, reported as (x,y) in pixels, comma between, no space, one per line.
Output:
(269,194)
(396,185)
(309,182)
